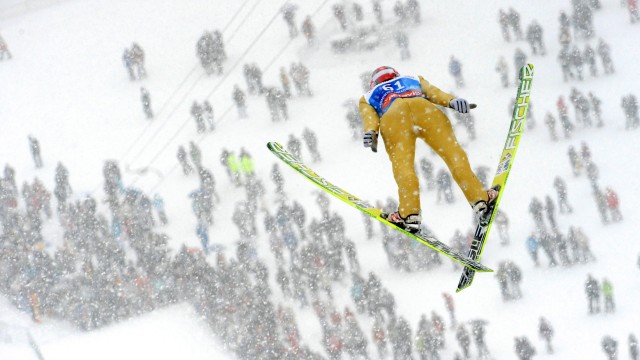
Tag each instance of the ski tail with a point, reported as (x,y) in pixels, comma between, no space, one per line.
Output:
(504,167)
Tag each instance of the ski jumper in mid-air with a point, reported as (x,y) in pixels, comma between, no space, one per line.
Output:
(402,109)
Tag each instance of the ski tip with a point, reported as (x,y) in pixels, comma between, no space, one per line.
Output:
(526,71)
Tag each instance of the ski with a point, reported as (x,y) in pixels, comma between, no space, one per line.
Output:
(366,208)
(504,167)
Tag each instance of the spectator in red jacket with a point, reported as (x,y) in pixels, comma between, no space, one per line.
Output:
(613,203)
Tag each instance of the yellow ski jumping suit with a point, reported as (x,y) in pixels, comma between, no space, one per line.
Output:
(407,116)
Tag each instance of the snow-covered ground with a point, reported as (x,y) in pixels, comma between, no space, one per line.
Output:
(67,86)
(176,332)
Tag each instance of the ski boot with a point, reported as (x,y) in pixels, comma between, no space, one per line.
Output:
(411,223)
(484,209)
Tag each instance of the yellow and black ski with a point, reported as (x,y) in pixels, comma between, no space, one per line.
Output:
(366,208)
(504,167)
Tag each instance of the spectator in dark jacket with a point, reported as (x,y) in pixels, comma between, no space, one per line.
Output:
(546,333)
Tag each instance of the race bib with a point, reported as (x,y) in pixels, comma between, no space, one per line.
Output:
(382,96)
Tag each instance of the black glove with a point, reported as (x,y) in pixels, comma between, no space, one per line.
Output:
(370,139)
(459,105)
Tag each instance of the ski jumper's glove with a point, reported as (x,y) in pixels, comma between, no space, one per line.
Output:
(370,139)
(460,105)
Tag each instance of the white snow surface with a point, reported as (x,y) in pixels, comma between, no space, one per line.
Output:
(67,86)
(175,332)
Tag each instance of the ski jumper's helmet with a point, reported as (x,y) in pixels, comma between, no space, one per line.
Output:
(382,74)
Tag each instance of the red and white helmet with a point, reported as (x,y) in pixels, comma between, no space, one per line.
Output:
(382,74)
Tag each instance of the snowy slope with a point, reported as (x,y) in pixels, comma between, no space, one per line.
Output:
(66,85)
(169,333)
